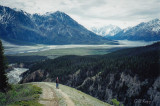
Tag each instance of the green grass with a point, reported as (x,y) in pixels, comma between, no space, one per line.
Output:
(79,98)
(70,51)
(21,95)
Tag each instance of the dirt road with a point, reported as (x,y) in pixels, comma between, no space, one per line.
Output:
(49,97)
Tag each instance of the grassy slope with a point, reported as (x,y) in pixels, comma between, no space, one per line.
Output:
(79,98)
(21,95)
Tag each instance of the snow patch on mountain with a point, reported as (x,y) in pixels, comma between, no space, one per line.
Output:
(156,29)
(109,30)
(147,31)
(5,17)
(153,25)
(126,29)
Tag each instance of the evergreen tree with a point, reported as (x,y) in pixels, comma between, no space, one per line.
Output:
(3,77)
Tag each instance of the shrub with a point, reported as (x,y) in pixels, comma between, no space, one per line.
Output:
(116,103)
(21,95)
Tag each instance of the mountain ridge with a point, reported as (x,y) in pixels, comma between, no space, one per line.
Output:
(147,31)
(53,28)
(109,30)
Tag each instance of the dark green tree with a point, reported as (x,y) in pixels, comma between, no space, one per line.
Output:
(3,78)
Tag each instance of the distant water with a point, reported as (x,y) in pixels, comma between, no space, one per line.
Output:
(14,75)
(135,43)
(15,49)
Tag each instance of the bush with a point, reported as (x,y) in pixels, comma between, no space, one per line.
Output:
(2,98)
(116,103)
(21,95)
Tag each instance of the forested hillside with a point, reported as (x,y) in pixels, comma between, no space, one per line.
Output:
(128,75)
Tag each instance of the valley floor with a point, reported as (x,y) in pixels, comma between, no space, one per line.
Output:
(65,96)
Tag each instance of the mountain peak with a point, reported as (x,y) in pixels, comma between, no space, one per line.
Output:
(148,31)
(155,20)
(109,30)
(52,13)
(59,12)
(50,28)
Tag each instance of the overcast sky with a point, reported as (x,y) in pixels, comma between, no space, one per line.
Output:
(123,13)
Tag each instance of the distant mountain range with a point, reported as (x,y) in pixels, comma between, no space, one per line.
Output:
(58,28)
(109,30)
(51,28)
(147,31)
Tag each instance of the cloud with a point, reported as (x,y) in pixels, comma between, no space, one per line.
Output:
(89,13)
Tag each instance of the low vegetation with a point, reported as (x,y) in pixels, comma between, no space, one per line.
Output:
(13,95)
(116,103)
(82,99)
(24,95)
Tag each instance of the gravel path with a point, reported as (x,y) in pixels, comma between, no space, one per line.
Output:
(49,97)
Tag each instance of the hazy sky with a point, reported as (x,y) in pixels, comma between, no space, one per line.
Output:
(122,13)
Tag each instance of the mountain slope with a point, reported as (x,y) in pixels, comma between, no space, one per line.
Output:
(149,31)
(16,26)
(65,96)
(51,28)
(109,30)
(127,74)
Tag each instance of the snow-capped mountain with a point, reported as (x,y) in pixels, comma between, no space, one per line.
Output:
(51,28)
(147,31)
(109,30)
